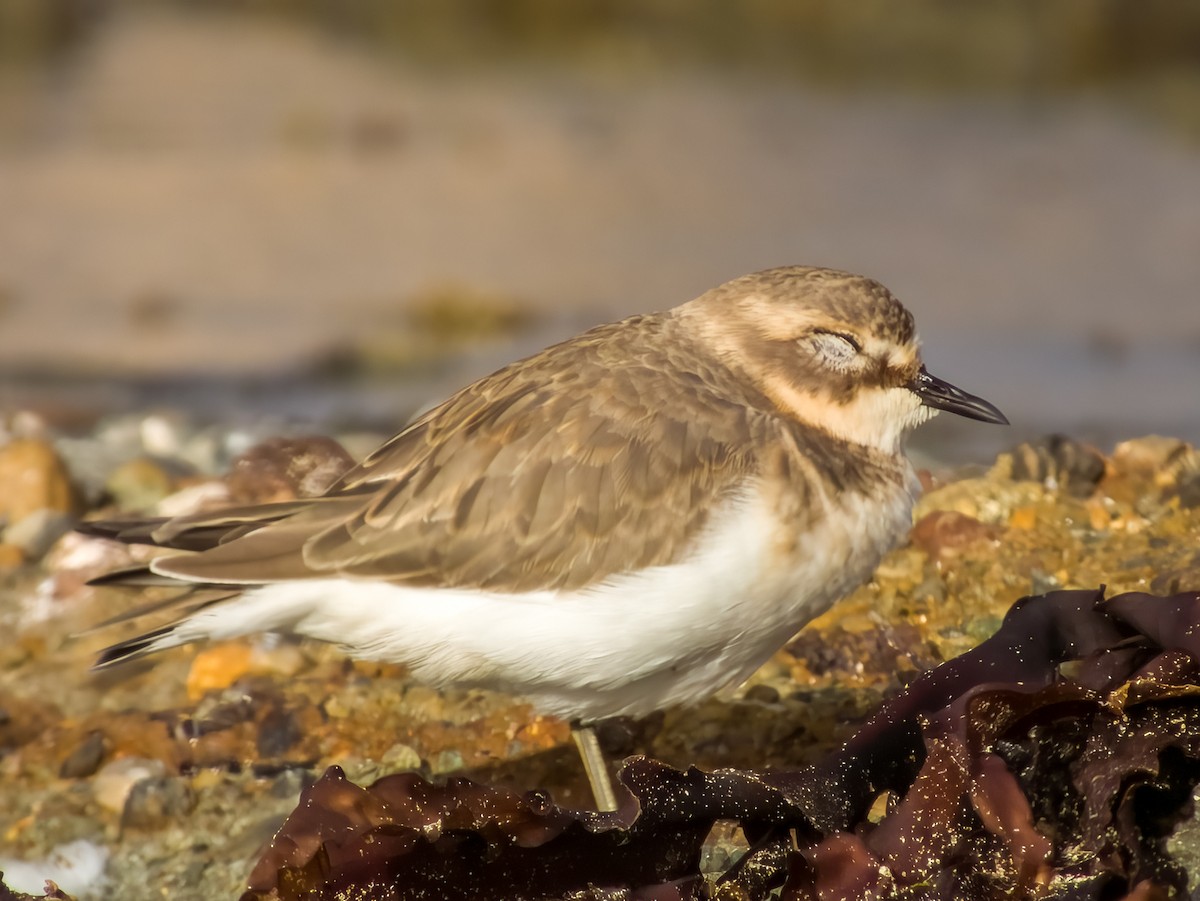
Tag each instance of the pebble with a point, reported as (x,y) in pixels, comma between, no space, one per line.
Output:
(114,782)
(1058,462)
(278,732)
(1146,456)
(1181,478)
(400,758)
(86,758)
(945,534)
(155,799)
(33,477)
(281,469)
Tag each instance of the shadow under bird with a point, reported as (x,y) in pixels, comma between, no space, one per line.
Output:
(635,518)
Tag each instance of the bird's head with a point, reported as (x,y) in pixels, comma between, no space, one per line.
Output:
(834,350)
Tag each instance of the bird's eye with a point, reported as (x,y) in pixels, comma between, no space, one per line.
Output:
(835,348)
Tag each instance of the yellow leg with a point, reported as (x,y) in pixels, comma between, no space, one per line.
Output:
(595,766)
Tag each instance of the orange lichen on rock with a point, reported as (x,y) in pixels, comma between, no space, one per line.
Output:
(218,667)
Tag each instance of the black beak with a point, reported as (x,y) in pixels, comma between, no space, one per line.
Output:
(944,396)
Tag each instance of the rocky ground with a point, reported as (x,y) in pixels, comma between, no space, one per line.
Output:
(168,777)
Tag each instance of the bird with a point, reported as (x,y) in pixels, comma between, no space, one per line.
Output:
(633,519)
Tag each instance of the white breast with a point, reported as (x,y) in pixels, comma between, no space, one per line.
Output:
(667,635)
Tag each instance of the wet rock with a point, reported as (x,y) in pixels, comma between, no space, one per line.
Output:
(281,469)
(1181,479)
(36,533)
(86,758)
(33,477)
(114,782)
(1147,472)
(1058,462)
(155,799)
(946,534)
(1146,456)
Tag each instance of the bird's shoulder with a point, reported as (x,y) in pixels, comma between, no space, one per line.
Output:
(601,455)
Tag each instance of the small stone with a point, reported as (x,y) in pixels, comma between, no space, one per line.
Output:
(155,799)
(280,657)
(114,782)
(161,435)
(1058,462)
(1180,479)
(207,779)
(1147,456)
(33,477)
(760,693)
(945,534)
(400,758)
(448,761)
(278,732)
(335,708)
(36,533)
(85,759)
(217,667)
(281,469)
(142,482)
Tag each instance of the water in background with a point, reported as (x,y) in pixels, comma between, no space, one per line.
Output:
(238,217)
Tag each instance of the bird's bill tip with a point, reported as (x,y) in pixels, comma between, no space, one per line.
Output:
(941,395)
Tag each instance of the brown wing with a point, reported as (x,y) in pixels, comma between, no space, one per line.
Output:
(603,454)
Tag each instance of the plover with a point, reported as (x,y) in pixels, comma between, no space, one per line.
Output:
(635,518)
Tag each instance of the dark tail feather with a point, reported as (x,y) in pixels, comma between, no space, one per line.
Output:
(131,648)
(154,532)
(129,531)
(139,576)
(196,531)
(192,600)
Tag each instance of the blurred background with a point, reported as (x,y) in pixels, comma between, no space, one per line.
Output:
(324,214)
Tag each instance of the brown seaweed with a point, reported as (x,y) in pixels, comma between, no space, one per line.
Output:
(1005,773)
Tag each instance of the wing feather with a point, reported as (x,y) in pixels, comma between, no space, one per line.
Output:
(555,473)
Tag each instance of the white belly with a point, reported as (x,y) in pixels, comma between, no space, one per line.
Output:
(669,635)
